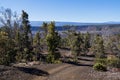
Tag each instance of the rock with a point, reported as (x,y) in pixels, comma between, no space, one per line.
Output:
(33,63)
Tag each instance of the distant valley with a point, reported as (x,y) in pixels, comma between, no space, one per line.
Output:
(77,26)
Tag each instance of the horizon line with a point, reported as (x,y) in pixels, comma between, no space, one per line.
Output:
(78,21)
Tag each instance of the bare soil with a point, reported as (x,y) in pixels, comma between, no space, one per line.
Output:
(65,71)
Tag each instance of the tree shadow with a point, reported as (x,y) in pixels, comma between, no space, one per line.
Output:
(2,70)
(88,55)
(33,71)
(68,49)
(5,68)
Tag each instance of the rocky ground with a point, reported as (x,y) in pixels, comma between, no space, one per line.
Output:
(64,71)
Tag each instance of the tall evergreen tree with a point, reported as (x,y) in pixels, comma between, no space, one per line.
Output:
(26,29)
(86,43)
(75,45)
(45,28)
(98,47)
(19,46)
(6,49)
(52,42)
(37,39)
(18,39)
(36,45)
(26,35)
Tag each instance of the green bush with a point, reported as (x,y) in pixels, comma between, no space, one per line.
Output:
(50,58)
(99,67)
(4,61)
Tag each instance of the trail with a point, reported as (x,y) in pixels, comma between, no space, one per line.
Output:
(70,71)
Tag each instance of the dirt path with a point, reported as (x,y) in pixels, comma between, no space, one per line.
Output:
(75,71)
(65,71)
(69,71)
(81,71)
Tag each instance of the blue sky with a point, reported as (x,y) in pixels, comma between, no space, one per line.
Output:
(67,10)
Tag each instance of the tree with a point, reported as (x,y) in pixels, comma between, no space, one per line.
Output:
(26,29)
(26,33)
(36,45)
(52,42)
(86,43)
(113,45)
(45,32)
(64,43)
(19,46)
(70,37)
(9,21)
(45,28)
(98,47)
(6,49)
(18,39)
(75,45)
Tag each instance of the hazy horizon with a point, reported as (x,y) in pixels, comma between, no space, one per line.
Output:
(78,21)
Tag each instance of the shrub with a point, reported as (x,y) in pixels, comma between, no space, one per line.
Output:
(4,61)
(50,58)
(99,67)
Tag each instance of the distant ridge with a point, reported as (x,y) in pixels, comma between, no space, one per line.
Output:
(112,22)
(58,23)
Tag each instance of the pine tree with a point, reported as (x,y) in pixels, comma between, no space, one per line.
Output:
(52,42)
(37,47)
(45,28)
(18,43)
(18,39)
(26,36)
(98,47)
(86,43)
(6,49)
(75,45)
(37,39)
(26,29)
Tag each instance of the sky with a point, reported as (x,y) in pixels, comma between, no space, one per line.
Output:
(67,10)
